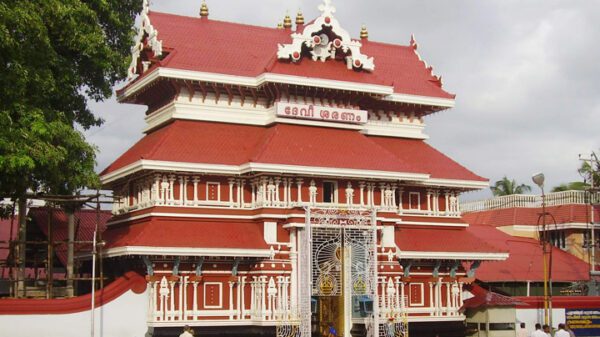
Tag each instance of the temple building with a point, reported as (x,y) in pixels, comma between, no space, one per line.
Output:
(284,185)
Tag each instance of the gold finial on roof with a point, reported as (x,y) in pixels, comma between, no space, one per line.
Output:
(287,21)
(204,10)
(299,18)
(364,33)
(280,25)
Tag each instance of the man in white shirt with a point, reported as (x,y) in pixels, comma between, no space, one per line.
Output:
(522,332)
(562,332)
(538,331)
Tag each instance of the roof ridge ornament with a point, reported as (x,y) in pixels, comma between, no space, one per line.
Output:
(152,40)
(437,80)
(325,39)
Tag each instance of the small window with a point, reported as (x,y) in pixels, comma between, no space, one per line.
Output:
(329,189)
(414,200)
(502,326)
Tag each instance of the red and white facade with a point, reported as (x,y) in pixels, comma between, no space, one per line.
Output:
(284,181)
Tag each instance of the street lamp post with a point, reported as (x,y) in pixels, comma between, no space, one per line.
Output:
(538,179)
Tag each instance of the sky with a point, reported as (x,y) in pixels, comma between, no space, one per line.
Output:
(525,74)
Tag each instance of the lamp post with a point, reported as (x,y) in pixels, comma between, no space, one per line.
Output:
(538,179)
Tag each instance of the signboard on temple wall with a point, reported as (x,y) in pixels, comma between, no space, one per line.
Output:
(321,113)
(584,322)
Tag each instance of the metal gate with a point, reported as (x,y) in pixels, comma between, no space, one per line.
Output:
(338,258)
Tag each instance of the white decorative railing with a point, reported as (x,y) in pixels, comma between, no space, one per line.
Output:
(177,300)
(531,201)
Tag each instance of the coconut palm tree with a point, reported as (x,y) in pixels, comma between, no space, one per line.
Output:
(572,186)
(507,186)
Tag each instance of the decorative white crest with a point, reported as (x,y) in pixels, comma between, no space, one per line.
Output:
(414,45)
(152,41)
(324,38)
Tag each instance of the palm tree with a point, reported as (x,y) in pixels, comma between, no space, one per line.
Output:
(572,186)
(507,186)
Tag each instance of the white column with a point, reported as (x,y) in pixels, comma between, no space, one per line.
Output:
(431,298)
(447,212)
(171,190)
(196,180)
(400,200)
(231,309)
(156,191)
(362,197)
(382,194)
(299,182)
(181,188)
(276,199)
(429,201)
(231,182)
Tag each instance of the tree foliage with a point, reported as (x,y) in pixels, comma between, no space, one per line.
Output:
(507,186)
(55,55)
(572,186)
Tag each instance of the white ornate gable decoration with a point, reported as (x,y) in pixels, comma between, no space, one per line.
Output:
(324,38)
(146,28)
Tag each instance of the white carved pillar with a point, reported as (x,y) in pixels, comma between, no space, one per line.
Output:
(196,180)
(361,185)
(431,298)
(382,195)
(243,297)
(429,202)
(156,194)
(276,199)
(299,182)
(181,188)
(231,182)
(231,309)
(171,199)
(400,200)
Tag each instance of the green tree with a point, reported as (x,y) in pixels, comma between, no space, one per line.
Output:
(591,170)
(572,186)
(507,186)
(55,55)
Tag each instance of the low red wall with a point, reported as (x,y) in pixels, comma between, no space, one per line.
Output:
(130,281)
(563,302)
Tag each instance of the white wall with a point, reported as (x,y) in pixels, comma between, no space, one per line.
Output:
(532,316)
(125,316)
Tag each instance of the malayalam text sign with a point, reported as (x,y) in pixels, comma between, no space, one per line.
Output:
(584,322)
(321,113)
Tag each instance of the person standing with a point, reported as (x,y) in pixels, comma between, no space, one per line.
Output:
(562,332)
(538,331)
(522,332)
(569,330)
(187,332)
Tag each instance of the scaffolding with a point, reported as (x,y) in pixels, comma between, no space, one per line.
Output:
(30,276)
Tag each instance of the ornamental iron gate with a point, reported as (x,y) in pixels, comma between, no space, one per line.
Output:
(337,258)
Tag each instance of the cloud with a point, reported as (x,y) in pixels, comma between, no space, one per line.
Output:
(525,74)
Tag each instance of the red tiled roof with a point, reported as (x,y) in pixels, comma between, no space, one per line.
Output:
(571,213)
(85,223)
(187,234)
(430,160)
(485,298)
(286,144)
(525,259)
(450,240)
(244,50)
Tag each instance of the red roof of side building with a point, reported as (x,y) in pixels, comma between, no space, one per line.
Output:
(161,233)
(85,224)
(571,213)
(244,50)
(445,242)
(485,298)
(286,144)
(525,259)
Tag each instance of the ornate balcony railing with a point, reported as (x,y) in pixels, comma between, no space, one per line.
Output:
(531,201)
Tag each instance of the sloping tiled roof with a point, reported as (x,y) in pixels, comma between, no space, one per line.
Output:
(485,298)
(448,240)
(286,144)
(571,213)
(85,223)
(186,234)
(525,259)
(236,49)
